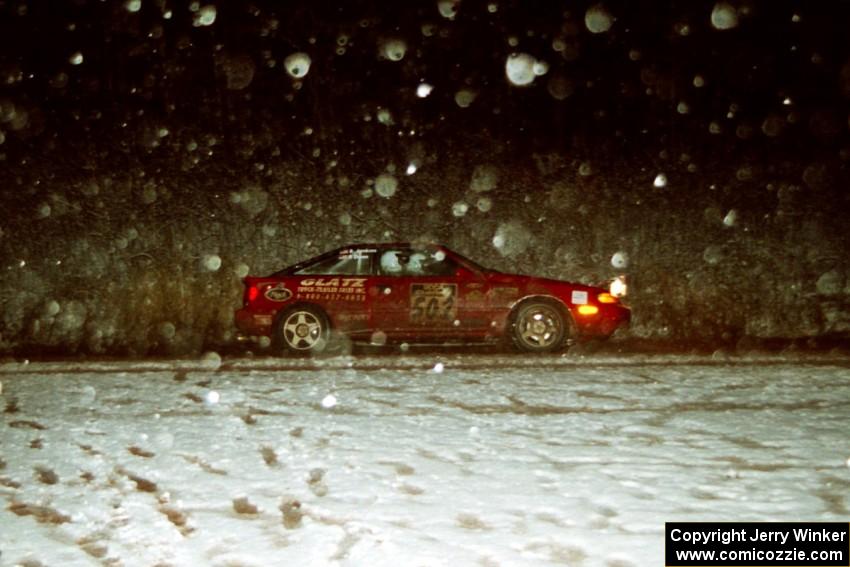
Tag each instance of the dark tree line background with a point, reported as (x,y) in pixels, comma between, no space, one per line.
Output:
(151,158)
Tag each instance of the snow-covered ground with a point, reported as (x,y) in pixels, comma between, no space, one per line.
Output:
(377,460)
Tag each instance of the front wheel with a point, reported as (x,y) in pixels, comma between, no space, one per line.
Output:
(302,330)
(539,327)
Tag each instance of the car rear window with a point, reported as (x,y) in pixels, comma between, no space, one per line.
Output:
(346,263)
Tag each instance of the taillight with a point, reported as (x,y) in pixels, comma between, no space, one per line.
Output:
(605,297)
(253,292)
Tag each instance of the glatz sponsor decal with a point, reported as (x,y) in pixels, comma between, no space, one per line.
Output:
(278,293)
(333,289)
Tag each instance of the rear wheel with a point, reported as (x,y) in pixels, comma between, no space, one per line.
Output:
(540,326)
(302,330)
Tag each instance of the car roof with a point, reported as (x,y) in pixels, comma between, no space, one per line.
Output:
(390,245)
(361,245)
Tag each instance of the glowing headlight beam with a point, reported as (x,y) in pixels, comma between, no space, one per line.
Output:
(618,287)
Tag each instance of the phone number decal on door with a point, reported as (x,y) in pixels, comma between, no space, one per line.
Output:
(433,303)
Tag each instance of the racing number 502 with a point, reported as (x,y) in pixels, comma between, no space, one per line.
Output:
(432,303)
(426,309)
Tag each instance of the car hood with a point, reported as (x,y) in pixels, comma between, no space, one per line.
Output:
(532,282)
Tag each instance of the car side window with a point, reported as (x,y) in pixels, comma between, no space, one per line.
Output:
(346,263)
(413,262)
(391,263)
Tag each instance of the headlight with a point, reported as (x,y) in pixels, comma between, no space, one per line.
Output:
(618,287)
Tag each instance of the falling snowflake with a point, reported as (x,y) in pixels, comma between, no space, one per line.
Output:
(724,16)
(598,19)
(297,65)
(394,49)
(386,185)
(465,97)
(205,16)
(423,90)
(448,8)
(620,260)
(519,69)
(211,262)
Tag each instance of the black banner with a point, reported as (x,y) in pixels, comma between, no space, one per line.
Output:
(757,544)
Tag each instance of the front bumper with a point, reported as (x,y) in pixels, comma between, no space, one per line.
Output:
(605,322)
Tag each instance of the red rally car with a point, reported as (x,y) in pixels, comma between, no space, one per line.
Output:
(419,294)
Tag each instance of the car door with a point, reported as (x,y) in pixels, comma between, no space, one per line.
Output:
(338,282)
(422,292)
(389,291)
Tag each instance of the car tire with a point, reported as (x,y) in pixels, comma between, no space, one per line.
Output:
(540,326)
(302,330)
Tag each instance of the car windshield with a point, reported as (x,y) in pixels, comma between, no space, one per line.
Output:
(471,264)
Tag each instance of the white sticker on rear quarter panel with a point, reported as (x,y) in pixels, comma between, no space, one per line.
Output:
(579,297)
